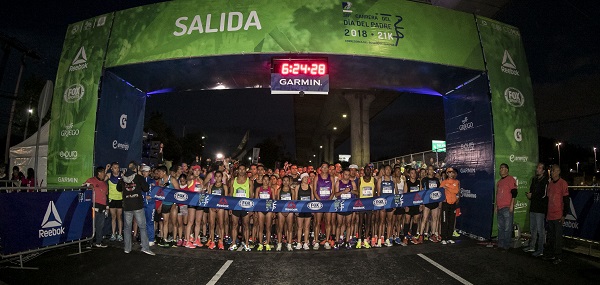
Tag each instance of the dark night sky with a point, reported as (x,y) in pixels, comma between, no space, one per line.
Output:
(559,37)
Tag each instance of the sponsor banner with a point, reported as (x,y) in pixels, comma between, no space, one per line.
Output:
(383,28)
(39,219)
(583,218)
(469,151)
(74,104)
(120,131)
(513,111)
(434,195)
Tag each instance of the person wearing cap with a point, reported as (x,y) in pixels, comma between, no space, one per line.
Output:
(303,193)
(506,193)
(132,188)
(100,188)
(451,187)
(149,204)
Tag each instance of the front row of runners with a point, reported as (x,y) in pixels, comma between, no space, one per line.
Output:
(333,230)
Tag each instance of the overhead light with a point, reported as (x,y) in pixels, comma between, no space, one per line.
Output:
(220,86)
(314,155)
(203,137)
(219,155)
(344,115)
(334,128)
(30,111)
(320,146)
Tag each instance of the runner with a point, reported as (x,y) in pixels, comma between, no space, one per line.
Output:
(322,189)
(257,182)
(451,188)
(354,176)
(100,189)
(241,188)
(344,189)
(265,219)
(366,189)
(429,182)
(285,219)
(149,205)
(412,185)
(182,211)
(400,182)
(195,213)
(217,189)
(386,187)
(303,193)
(168,209)
(115,201)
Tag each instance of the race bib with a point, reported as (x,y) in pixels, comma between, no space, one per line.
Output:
(305,198)
(367,191)
(263,195)
(400,187)
(432,184)
(241,193)
(218,192)
(324,191)
(414,189)
(387,190)
(198,188)
(286,196)
(346,196)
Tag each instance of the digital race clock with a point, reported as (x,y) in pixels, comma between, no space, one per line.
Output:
(299,76)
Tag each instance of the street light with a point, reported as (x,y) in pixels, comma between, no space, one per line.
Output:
(29,112)
(577,166)
(558,146)
(595,167)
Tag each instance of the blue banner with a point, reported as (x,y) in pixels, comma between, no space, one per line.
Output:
(434,195)
(583,218)
(39,219)
(469,150)
(120,125)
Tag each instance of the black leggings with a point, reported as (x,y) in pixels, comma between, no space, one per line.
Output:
(448,217)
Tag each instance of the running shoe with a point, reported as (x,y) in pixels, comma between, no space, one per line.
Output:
(451,241)
(404,241)
(379,242)
(323,242)
(148,252)
(529,249)
(305,246)
(250,240)
(221,245)
(299,246)
(233,247)
(196,241)
(227,239)
(119,237)
(398,240)
(455,234)
(358,244)
(415,239)
(444,242)
(179,243)
(203,239)
(150,243)
(289,247)
(327,246)
(190,244)
(163,243)
(374,241)
(316,246)
(113,237)
(169,238)
(420,240)
(100,245)
(247,247)
(267,247)
(278,247)
(388,242)
(211,244)
(260,247)
(366,243)
(537,254)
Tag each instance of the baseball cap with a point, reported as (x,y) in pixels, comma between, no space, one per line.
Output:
(145,168)
(353,166)
(196,166)
(303,175)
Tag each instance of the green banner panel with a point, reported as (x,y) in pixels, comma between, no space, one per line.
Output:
(73,121)
(384,28)
(513,111)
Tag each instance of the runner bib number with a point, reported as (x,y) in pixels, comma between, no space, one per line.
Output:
(286,196)
(240,193)
(387,190)
(433,184)
(324,191)
(346,196)
(305,198)
(367,192)
(218,192)
(264,195)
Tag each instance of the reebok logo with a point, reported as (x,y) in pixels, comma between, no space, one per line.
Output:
(508,65)
(80,61)
(571,218)
(53,222)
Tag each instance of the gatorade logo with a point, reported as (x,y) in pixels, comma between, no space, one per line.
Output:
(518,135)
(123,121)
(508,65)
(55,223)
(80,61)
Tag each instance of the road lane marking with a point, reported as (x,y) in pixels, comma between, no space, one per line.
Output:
(442,268)
(219,273)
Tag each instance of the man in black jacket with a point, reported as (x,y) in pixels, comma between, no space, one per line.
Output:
(132,185)
(537,210)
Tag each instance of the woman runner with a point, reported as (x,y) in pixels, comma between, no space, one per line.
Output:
(217,189)
(264,218)
(285,219)
(303,193)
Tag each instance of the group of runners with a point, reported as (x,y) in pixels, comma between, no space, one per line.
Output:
(180,225)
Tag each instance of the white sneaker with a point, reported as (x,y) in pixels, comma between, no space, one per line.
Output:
(278,247)
(388,243)
(316,246)
(451,241)
(148,252)
(289,247)
(151,243)
(305,246)
(299,246)
(327,246)
(444,242)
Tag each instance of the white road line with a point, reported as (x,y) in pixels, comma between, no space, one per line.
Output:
(442,268)
(219,273)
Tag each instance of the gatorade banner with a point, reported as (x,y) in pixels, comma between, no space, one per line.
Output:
(381,28)
(513,111)
(434,195)
(38,219)
(583,218)
(74,104)
(121,127)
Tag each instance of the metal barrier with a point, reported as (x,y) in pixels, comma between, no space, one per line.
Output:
(416,160)
(29,238)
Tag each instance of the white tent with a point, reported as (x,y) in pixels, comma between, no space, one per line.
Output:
(23,154)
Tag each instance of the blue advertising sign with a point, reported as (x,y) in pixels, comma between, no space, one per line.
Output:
(39,219)
(120,122)
(434,195)
(583,218)
(469,149)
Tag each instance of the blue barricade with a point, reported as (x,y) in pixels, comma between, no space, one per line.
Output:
(583,218)
(39,219)
(296,206)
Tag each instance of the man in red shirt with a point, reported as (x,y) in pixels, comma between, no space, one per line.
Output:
(506,192)
(100,188)
(558,207)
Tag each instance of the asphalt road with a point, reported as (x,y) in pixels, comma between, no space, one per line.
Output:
(462,263)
